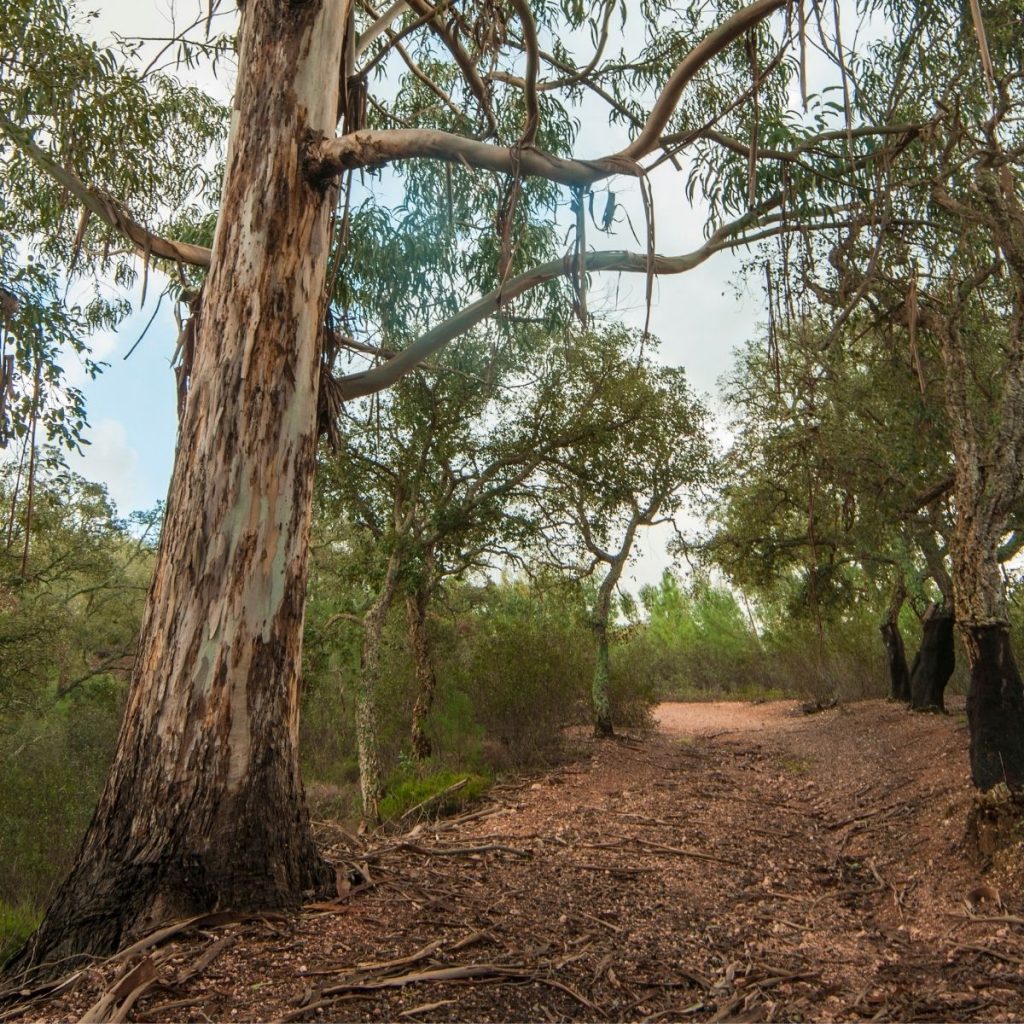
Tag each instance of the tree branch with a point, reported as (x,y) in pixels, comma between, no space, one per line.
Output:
(108,209)
(367,382)
(329,157)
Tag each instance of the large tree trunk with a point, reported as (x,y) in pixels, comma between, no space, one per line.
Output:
(935,661)
(995,699)
(204,806)
(416,605)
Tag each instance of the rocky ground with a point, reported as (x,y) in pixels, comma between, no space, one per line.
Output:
(745,862)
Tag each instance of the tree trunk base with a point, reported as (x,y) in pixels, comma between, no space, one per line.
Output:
(109,901)
(603,729)
(934,663)
(995,823)
(995,708)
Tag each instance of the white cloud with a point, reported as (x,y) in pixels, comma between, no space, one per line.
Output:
(111,458)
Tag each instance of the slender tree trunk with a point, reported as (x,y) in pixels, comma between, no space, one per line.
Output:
(935,661)
(426,678)
(599,690)
(204,806)
(603,726)
(895,651)
(371,761)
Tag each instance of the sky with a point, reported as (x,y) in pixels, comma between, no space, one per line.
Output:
(699,316)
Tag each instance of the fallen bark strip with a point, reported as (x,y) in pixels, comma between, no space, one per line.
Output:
(115,1004)
(616,869)
(207,958)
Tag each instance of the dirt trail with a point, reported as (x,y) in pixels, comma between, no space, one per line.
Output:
(744,862)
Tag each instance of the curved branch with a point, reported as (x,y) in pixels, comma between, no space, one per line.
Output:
(380,26)
(710,46)
(356,385)
(108,209)
(522,9)
(329,157)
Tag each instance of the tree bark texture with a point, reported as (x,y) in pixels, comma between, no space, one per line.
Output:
(416,605)
(935,661)
(204,806)
(896,658)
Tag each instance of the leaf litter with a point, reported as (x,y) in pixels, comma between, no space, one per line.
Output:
(743,862)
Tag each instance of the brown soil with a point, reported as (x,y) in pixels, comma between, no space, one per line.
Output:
(744,862)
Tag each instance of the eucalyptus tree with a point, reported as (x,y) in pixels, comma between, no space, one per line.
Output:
(840,473)
(204,804)
(642,474)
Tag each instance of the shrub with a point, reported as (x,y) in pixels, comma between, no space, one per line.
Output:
(437,792)
(17,922)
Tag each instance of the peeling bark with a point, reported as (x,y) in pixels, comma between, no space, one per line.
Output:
(204,806)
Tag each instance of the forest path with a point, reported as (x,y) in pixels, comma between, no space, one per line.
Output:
(744,862)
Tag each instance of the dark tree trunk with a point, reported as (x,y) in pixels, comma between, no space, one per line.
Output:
(204,806)
(896,658)
(995,707)
(426,678)
(935,661)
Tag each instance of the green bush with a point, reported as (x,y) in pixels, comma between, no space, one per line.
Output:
(17,922)
(410,789)
(51,772)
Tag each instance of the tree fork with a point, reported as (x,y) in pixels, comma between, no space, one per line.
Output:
(204,806)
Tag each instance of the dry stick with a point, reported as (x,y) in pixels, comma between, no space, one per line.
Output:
(459,973)
(463,851)
(970,946)
(384,965)
(680,851)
